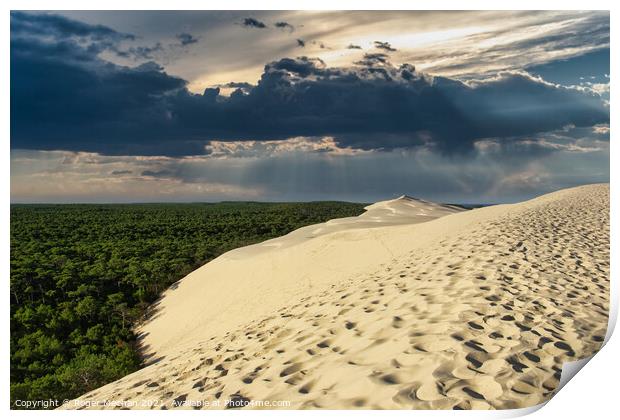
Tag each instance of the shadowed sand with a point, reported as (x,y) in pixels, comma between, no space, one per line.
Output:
(446,309)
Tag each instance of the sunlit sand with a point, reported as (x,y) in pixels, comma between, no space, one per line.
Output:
(410,305)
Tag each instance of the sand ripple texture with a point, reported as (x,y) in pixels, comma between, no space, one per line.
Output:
(481,317)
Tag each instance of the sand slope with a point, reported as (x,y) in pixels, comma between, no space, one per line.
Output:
(476,309)
(256,280)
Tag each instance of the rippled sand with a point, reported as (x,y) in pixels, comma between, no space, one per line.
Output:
(472,310)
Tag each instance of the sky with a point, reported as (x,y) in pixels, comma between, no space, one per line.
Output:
(165,106)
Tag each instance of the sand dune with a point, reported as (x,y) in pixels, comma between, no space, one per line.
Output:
(256,280)
(451,309)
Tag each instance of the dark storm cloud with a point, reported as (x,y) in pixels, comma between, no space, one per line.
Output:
(93,39)
(141,52)
(121,172)
(284,25)
(384,46)
(253,23)
(64,97)
(187,39)
(296,67)
(60,27)
(61,91)
(373,59)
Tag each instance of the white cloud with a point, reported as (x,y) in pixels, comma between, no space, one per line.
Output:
(247,149)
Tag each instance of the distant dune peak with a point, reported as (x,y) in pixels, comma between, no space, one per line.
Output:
(394,212)
(408,209)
